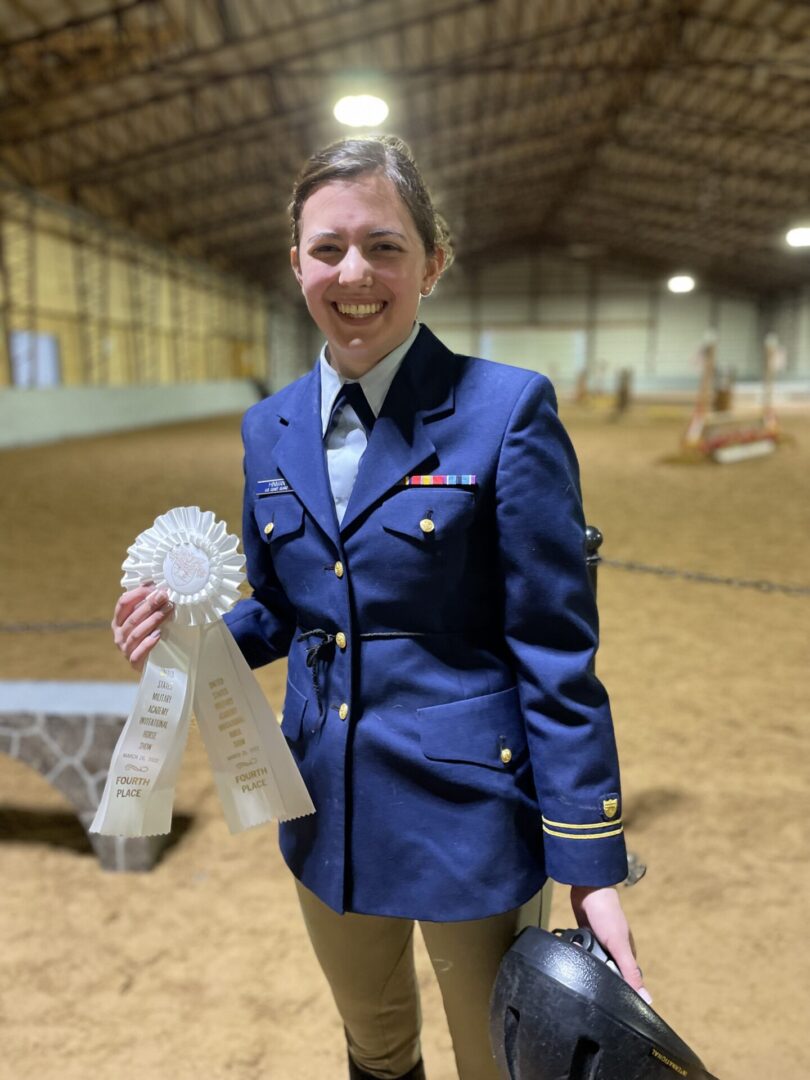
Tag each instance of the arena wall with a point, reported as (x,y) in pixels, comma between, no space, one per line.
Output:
(101,330)
(558,314)
(29,417)
(119,310)
(791,321)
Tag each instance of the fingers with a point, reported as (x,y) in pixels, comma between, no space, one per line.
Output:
(128,601)
(136,622)
(621,949)
(145,619)
(631,972)
(137,658)
(600,909)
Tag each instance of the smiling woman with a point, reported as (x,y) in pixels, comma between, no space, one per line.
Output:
(415,543)
(366,248)
(362,268)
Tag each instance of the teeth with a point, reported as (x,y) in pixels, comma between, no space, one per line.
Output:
(359,311)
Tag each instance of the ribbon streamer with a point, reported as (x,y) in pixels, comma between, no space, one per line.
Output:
(196,663)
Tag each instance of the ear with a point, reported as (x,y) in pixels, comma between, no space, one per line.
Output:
(296,266)
(434,265)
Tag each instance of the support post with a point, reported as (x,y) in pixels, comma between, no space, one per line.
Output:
(5,301)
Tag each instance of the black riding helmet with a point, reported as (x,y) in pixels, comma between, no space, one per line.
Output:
(561,1011)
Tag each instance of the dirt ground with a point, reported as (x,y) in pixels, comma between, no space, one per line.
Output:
(201,969)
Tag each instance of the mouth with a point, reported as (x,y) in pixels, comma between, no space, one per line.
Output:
(359,312)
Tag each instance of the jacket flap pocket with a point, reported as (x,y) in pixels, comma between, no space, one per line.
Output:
(281,515)
(427,513)
(292,717)
(487,730)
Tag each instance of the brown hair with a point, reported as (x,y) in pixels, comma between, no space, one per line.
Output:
(348,158)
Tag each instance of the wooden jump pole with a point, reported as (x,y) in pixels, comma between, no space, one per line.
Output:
(707,355)
(728,437)
(774,361)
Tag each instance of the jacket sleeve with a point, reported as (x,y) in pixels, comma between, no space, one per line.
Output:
(262,624)
(551,629)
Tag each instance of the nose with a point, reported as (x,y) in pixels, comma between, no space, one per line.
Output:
(355,268)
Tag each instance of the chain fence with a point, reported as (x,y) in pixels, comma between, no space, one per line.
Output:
(53,627)
(757,584)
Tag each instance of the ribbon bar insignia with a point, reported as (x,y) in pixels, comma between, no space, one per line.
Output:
(445,480)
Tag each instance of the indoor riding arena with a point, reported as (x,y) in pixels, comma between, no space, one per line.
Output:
(626,185)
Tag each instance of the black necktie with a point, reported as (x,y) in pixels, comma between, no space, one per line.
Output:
(351,393)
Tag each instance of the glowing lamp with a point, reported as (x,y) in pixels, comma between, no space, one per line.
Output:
(361,110)
(681,283)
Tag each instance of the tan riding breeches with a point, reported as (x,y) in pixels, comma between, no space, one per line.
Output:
(368,962)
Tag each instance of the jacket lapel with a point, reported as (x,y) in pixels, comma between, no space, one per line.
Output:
(422,389)
(300,456)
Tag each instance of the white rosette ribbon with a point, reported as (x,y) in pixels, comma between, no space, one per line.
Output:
(196,664)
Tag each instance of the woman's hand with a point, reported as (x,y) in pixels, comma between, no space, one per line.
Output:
(601,911)
(137,620)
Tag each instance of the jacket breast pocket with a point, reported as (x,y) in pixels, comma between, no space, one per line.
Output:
(279,517)
(428,516)
(486,730)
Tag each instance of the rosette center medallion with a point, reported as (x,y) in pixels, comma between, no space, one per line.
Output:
(186,569)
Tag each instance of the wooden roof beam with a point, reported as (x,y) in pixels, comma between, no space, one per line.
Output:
(17,119)
(473,63)
(76,22)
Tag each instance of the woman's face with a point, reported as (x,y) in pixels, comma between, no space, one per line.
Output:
(362,267)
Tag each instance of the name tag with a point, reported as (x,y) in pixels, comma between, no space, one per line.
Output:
(278,486)
(447,480)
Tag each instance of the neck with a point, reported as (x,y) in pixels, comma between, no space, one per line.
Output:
(351,365)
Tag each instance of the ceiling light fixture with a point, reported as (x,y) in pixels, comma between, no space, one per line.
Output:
(361,110)
(799,236)
(681,283)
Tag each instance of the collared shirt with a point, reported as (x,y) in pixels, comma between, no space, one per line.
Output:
(345,440)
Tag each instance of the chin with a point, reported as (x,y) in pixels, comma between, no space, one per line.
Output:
(362,339)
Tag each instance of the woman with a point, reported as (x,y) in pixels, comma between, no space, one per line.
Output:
(417,551)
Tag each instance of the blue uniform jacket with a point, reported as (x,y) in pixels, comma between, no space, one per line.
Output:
(453,740)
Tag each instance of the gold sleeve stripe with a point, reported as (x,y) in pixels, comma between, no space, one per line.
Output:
(583,836)
(593,825)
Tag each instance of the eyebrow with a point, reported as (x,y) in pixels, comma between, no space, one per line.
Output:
(373,233)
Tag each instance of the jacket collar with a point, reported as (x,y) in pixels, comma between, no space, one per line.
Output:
(422,391)
(375,384)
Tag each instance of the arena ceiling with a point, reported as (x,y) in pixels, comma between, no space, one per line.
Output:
(663,134)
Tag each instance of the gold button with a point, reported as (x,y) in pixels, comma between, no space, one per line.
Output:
(340,639)
(506,755)
(426,525)
(343,711)
(338,569)
(268,528)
